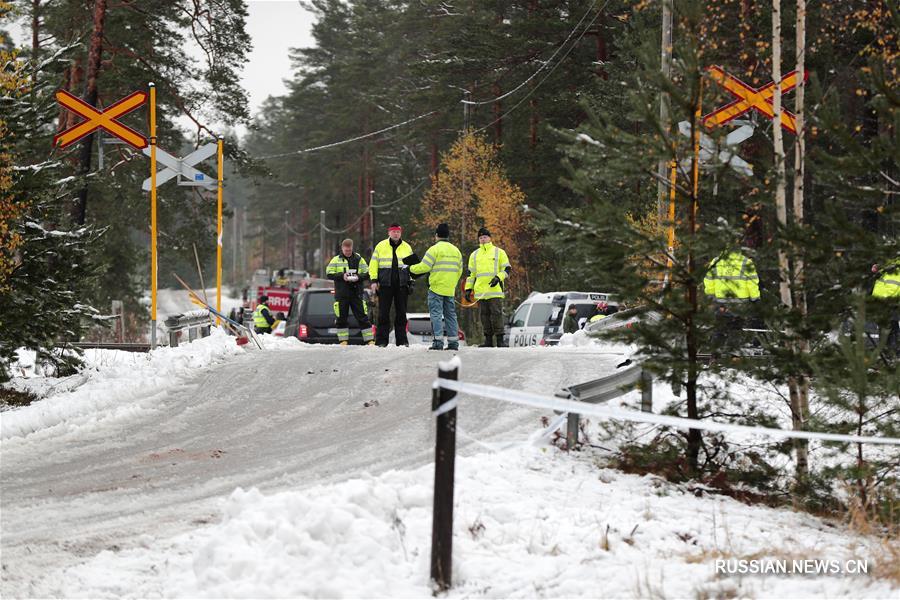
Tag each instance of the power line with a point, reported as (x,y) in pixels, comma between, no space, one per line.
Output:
(403,197)
(532,90)
(543,66)
(347,141)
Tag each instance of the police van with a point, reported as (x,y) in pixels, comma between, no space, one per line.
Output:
(542,314)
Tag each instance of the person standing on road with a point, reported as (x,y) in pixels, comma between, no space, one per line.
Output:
(488,269)
(570,323)
(443,262)
(262,316)
(732,281)
(887,292)
(349,272)
(390,277)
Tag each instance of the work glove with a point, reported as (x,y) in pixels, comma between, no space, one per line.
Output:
(469,295)
(495,280)
(412,259)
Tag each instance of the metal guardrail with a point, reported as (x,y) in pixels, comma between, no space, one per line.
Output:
(124,346)
(197,323)
(607,388)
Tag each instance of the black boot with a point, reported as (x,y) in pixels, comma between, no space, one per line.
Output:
(488,342)
(500,341)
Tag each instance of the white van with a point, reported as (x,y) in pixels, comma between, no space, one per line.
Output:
(529,324)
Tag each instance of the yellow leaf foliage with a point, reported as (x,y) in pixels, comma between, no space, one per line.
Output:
(651,267)
(13,83)
(471,190)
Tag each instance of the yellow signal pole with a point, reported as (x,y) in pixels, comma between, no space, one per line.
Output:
(152,216)
(695,134)
(671,234)
(219,234)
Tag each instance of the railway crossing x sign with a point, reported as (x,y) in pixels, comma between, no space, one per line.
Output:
(748,98)
(100,119)
(183,168)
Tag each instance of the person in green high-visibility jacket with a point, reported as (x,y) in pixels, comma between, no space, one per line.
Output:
(732,281)
(349,272)
(887,291)
(389,272)
(262,316)
(488,269)
(443,263)
(732,278)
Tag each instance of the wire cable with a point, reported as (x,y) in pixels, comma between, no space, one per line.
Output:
(403,197)
(532,90)
(541,68)
(347,141)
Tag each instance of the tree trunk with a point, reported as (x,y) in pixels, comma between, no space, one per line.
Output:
(780,177)
(35,32)
(79,208)
(800,389)
(694,436)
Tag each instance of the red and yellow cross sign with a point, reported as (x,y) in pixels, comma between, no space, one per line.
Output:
(748,98)
(100,119)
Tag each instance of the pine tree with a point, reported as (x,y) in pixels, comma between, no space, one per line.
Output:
(45,288)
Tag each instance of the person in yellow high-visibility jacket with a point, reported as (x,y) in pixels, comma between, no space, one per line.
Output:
(443,263)
(388,270)
(731,279)
(887,290)
(488,269)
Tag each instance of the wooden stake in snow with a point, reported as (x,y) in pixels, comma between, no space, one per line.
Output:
(443,405)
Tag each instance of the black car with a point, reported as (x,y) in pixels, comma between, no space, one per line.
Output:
(312,318)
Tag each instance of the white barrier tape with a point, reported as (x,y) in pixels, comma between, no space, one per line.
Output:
(543,434)
(582,408)
(492,447)
(445,407)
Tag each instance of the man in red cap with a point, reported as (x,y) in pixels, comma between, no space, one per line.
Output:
(391,280)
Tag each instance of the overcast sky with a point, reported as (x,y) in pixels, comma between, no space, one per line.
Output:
(275,26)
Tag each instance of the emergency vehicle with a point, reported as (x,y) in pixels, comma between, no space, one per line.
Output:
(541,314)
(279,287)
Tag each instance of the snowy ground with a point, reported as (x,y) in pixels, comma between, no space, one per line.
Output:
(300,471)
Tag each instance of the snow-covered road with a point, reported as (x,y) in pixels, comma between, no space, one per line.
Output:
(274,420)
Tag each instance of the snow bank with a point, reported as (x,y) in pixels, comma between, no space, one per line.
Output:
(529,522)
(114,380)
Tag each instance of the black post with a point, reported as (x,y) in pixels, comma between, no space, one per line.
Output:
(444,463)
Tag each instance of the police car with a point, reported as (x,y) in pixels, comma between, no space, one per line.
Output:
(542,314)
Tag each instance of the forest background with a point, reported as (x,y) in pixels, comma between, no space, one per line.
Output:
(541,119)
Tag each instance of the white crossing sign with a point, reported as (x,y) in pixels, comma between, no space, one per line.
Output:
(712,153)
(182,168)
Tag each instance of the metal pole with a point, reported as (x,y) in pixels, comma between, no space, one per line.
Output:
(234,247)
(372,216)
(572,431)
(152,216)
(219,232)
(322,244)
(646,392)
(443,404)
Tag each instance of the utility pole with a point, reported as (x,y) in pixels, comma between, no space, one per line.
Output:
(322,244)
(287,238)
(664,118)
(234,245)
(372,216)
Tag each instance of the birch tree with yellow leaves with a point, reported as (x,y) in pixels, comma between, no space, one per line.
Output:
(471,190)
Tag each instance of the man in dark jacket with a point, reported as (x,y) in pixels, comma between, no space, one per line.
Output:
(389,271)
(349,272)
